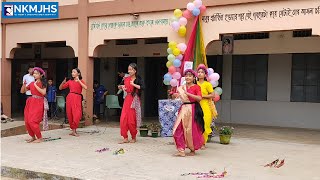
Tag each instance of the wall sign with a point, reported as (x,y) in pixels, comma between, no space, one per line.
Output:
(261,15)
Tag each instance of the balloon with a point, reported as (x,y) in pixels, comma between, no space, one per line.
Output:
(175,25)
(176,75)
(172,44)
(176,63)
(174,82)
(210,71)
(167,76)
(172,69)
(180,56)
(183,21)
(178,69)
(214,83)
(166,82)
(187,14)
(176,51)
(218,90)
(182,31)
(190,6)
(197,3)
(169,63)
(203,8)
(214,77)
(171,57)
(178,13)
(216,97)
(196,12)
(182,46)
(169,51)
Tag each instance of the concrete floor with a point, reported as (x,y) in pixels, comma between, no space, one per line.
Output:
(151,158)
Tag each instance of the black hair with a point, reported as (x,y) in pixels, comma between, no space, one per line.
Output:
(95,82)
(79,72)
(50,79)
(137,81)
(30,66)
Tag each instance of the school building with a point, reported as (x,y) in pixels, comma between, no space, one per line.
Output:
(272,77)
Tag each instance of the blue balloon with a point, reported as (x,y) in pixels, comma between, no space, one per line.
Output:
(167,77)
(176,63)
(196,11)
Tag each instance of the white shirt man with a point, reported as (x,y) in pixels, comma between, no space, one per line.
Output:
(28,78)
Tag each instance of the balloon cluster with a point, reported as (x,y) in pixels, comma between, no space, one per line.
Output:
(180,18)
(213,78)
(175,50)
(175,55)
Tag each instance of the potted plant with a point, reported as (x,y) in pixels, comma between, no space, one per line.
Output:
(225,133)
(144,130)
(214,129)
(155,129)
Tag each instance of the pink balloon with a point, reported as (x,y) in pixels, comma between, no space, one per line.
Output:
(203,9)
(183,21)
(214,77)
(175,26)
(197,3)
(174,82)
(190,6)
(172,69)
(187,14)
(210,71)
(180,56)
(216,97)
(182,47)
(178,70)
(176,75)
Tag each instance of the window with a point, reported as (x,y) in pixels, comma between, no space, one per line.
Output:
(302,33)
(156,41)
(247,36)
(305,78)
(126,41)
(249,77)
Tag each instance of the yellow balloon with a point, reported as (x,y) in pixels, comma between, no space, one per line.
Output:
(177,13)
(176,51)
(182,31)
(172,45)
(169,63)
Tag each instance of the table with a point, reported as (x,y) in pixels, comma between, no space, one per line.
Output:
(168,111)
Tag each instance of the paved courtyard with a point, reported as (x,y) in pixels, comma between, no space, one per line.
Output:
(151,158)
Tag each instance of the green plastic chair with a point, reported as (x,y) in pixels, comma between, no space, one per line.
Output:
(112,102)
(61,104)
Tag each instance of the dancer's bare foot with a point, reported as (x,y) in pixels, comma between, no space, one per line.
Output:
(180,154)
(74,134)
(133,141)
(124,141)
(30,140)
(38,141)
(191,153)
(203,147)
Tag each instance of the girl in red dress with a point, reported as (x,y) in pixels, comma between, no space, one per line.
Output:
(131,110)
(74,99)
(36,106)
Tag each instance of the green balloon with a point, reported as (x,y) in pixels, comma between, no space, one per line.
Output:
(171,57)
(218,90)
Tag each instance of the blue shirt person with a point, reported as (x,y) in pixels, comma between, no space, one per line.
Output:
(99,93)
(51,97)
